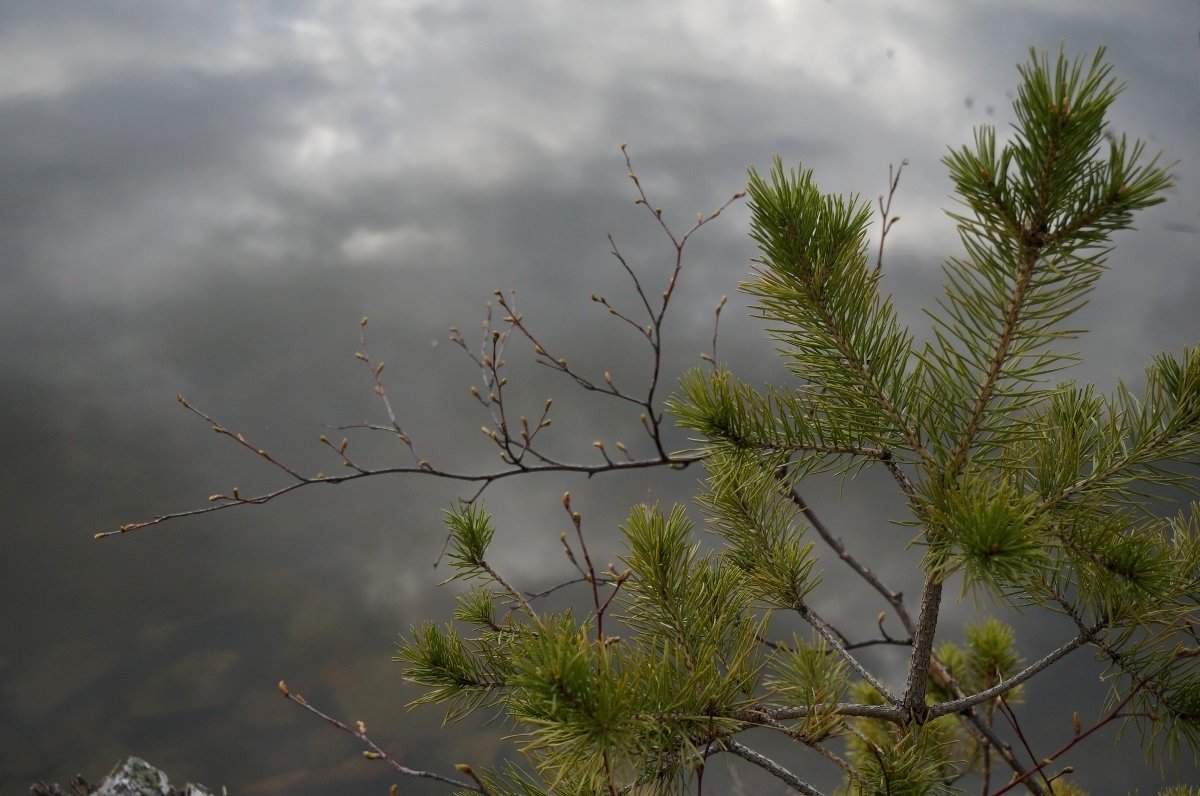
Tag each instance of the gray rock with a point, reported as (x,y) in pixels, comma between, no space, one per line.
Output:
(134,777)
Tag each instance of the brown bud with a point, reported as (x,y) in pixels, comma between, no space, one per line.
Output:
(283,689)
(566,500)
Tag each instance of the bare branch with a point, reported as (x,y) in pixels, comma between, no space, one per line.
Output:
(957,705)
(770,766)
(374,752)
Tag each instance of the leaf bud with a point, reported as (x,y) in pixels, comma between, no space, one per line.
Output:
(368,754)
(283,689)
(566,500)
(363,322)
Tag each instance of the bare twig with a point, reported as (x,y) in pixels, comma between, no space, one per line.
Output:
(823,628)
(886,219)
(771,767)
(894,598)
(221,502)
(374,752)
(712,358)
(376,372)
(958,705)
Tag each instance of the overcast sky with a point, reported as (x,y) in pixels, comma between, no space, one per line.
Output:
(204,197)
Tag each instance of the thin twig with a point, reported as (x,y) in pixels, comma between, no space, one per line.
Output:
(374,752)
(823,627)
(894,598)
(886,219)
(770,766)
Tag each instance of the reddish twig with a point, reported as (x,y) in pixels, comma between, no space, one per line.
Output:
(374,752)
(885,210)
